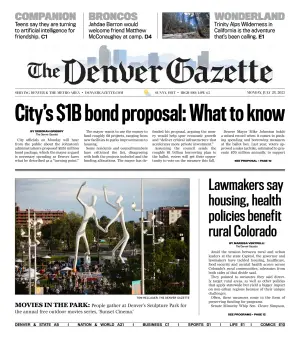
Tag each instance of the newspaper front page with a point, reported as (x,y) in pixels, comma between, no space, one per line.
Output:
(150,171)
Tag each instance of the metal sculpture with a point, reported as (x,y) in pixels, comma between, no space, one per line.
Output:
(89,212)
(120,214)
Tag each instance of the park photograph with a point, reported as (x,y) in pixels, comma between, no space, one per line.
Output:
(102,236)
(185,25)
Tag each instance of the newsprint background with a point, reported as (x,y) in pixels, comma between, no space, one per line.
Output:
(209,154)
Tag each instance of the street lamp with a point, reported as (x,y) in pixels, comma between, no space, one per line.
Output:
(159,241)
(23,234)
(34,224)
(51,239)
(34,232)
(23,252)
(98,247)
(133,206)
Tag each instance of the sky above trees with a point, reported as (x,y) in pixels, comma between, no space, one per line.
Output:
(60,194)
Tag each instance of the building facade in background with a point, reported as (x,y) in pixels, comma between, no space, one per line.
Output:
(48,216)
(153,59)
(104,56)
(203,59)
(120,56)
(169,214)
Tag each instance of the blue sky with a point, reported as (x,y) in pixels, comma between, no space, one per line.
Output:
(60,194)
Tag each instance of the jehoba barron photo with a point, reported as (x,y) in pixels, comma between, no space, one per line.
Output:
(102,236)
(185,25)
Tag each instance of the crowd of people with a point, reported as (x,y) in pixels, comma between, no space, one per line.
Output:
(58,277)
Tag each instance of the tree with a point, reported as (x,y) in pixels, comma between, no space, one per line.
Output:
(61,233)
(183,227)
(170,265)
(202,23)
(179,22)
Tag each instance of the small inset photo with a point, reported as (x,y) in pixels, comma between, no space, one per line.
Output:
(185,25)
